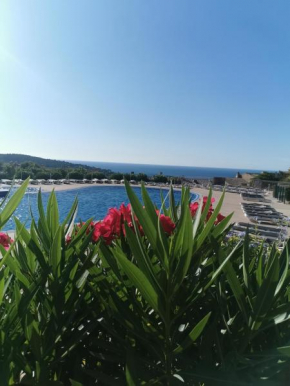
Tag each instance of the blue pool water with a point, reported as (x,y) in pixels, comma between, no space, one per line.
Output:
(93,202)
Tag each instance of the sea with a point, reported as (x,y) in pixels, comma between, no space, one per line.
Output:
(93,202)
(173,171)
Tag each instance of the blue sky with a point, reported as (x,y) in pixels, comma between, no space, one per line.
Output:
(184,82)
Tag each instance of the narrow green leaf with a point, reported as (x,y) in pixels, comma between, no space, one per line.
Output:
(207,206)
(75,383)
(193,335)
(284,258)
(210,222)
(197,219)
(141,257)
(237,289)
(222,266)
(265,296)
(140,281)
(150,229)
(260,266)
(172,205)
(222,225)
(284,351)
(42,222)
(56,252)
(246,256)
(69,221)
(131,376)
(150,209)
(183,246)
(54,214)
(12,204)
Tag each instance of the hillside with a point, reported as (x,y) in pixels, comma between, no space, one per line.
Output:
(21,166)
(47,163)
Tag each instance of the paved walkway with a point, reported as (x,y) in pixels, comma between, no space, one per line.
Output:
(232,203)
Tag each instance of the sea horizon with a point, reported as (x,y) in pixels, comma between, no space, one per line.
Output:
(169,170)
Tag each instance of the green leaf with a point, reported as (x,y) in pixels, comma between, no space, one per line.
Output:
(260,266)
(219,228)
(210,222)
(141,257)
(197,219)
(284,258)
(150,209)
(172,205)
(75,383)
(53,214)
(207,206)
(222,266)
(140,281)
(265,296)
(183,245)
(42,222)
(284,351)
(13,203)
(56,252)
(69,221)
(131,376)
(246,255)
(236,288)
(150,229)
(193,335)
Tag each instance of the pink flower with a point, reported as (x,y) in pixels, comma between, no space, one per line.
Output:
(113,224)
(5,240)
(167,224)
(219,218)
(103,229)
(205,199)
(194,206)
(126,213)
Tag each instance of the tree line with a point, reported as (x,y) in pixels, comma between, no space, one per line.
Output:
(33,170)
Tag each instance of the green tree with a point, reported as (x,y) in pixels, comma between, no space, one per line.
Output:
(160,178)
(98,175)
(56,175)
(116,176)
(142,177)
(76,175)
(42,175)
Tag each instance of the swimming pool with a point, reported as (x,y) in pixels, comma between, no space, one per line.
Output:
(94,201)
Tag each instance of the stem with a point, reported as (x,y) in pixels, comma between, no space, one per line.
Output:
(168,342)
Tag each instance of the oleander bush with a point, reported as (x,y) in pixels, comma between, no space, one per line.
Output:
(148,296)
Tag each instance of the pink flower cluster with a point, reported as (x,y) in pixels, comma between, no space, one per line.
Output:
(5,240)
(113,225)
(194,206)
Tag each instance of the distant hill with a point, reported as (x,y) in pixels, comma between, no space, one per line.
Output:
(47,163)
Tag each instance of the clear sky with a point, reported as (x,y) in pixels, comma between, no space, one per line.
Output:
(183,82)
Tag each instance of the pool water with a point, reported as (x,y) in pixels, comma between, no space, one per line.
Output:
(94,202)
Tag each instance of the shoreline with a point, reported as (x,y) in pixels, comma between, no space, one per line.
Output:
(63,188)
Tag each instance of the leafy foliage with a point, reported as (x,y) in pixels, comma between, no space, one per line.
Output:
(148,309)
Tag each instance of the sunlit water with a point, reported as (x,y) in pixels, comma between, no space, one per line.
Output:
(94,202)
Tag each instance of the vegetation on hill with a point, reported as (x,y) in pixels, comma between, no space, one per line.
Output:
(23,166)
(274,176)
(44,162)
